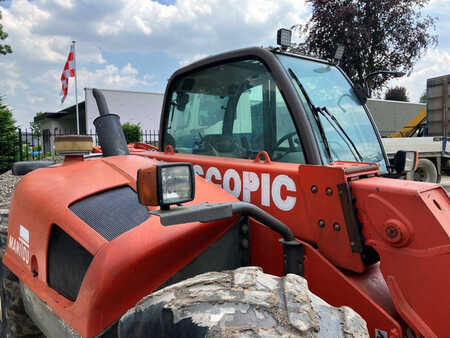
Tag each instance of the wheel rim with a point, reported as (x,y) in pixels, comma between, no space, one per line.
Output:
(420,175)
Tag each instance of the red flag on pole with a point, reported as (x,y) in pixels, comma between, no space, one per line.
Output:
(69,71)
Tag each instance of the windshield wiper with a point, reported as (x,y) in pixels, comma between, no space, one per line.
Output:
(324,111)
(315,112)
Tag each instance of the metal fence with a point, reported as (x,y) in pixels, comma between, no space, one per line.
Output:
(26,145)
(9,151)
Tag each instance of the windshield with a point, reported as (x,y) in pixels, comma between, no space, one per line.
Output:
(327,88)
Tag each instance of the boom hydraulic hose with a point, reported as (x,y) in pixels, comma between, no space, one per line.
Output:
(212,212)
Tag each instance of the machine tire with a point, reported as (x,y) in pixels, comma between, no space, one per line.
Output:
(14,320)
(242,303)
(426,171)
(24,167)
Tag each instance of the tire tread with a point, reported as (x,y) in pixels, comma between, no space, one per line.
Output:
(242,303)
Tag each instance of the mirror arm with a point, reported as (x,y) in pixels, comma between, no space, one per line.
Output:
(367,90)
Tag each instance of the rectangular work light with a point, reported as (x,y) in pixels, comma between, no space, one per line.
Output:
(166,184)
(284,37)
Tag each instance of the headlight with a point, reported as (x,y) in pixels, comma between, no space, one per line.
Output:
(166,184)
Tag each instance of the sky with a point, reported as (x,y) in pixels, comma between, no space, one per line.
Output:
(138,44)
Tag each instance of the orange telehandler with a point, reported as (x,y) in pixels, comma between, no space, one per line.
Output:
(289,150)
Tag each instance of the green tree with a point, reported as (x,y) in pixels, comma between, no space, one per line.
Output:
(132,132)
(8,137)
(377,35)
(35,125)
(423,97)
(396,94)
(4,49)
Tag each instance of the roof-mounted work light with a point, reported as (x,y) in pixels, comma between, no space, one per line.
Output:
(166,184)
(284,37)
(339,53)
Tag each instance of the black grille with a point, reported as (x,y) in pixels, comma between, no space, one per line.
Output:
(112,212)
(68,262)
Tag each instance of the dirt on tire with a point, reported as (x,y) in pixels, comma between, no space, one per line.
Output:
(242,303)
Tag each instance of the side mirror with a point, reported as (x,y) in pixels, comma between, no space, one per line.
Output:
(405,161)
(360,93)
(182,100)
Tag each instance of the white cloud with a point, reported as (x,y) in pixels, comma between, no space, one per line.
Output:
(23,21)
(12,85)
(111,77)
(9,70)
(129,70)
(41,93)
(11,80)
(66,4)
(196,27)
(34,100)
(40,33)
(435,63)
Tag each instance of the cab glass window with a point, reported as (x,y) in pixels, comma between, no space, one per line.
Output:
(329,90)
(231,110)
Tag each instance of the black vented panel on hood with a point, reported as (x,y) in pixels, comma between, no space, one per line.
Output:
(112,212)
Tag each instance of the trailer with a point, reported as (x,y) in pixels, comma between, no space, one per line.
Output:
(396,118)
(434,155)
(418,127)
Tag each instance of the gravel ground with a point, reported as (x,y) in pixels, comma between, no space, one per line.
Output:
(7,183)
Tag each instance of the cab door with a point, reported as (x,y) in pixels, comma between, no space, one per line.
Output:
(232,122)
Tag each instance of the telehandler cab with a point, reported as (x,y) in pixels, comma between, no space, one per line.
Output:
(288,136)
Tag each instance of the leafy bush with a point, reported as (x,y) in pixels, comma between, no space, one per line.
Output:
(7,138)
(396,94)
(423,98)
(132,132)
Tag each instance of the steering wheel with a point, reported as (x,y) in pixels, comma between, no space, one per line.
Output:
(292,148)
(207,146)
(290,138)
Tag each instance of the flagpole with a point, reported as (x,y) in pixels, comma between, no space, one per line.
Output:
(76,89)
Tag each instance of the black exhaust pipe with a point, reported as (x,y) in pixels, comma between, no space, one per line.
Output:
(110,133)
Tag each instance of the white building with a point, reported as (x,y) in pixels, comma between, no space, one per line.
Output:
(143,108)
